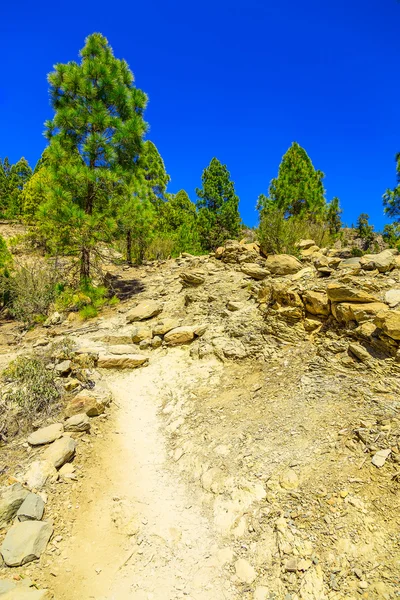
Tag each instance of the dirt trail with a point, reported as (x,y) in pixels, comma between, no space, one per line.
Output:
(139,533)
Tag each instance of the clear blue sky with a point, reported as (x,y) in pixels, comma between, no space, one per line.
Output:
(236,80)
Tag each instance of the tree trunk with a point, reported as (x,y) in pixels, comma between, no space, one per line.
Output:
(129,247)
(85,264)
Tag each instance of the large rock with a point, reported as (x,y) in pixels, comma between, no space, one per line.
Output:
(392,298)
(92,403)
(162,327)
(344,292)
(144,310)
(179,335)
(389,322)
(344,312)
(10,500)
(38,473)
(316,303)
(306,244)
(384,261)
(25,542)
(121,349)
(31,509)
(79,422)
(255,271)
(283,264)
(46,435)
(194,277)
(125,361)
(141,332)
(60,451)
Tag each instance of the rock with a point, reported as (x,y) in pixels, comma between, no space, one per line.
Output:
(121,349)
(127,361)
(46,435)
(389,322)
(200,330)
(291,565)
(283,264)
(312,585)
(63,368)
(343,292)
(244,571)
(350,263)
(384,261)
(38,473)
(179,335)
(255,271)
(359,352)
(261,593)
(392,298)
(306,273)
(60,451)
(25,542)
(234,306)
(316,303)
(192,277)
(156,342)
(79,422)
(31,509)
(54,319)
(10,501)
(354,311)
(144,310)
(162,327)
(380,457)
(289,480)
(71,384)
(306,244)
(67,471)
(140,333)
(90,403)
(311,252)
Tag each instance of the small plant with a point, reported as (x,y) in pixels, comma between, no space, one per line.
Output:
(88,312)
(33,387)
(356,252)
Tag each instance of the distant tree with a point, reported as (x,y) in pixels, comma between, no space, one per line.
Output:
(95,139)
(218,206)
(34,194)
(333,212)
(391,235)
(152,169)
(298,189)
(391,198)
(12,180)
(364,229)
(181,223)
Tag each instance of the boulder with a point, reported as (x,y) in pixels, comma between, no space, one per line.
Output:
(60,451)
(316,303)
(389,322)
(31,509)
(359,352)
(255,271)
(344,312)
(392,298)
(344,292)
(156,342)
(121,349)
(63,368)
(283,264)
(79,422)
(25,541)
(124,361)
(384,261)
(162,327)
(306,244)
(92,403)
(144,310)
(10,501)
(179,336)
(312,251)
(38,473)
(46,435)
(194,277)
(140,333)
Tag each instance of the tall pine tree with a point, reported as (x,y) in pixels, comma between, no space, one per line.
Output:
(95,141)
(12,181)
(218,206)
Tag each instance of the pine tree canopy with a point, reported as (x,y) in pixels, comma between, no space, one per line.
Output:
(298,189)
(12,180)
(391,198)
(152,169)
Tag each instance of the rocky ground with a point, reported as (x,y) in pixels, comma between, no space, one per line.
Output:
(251,447)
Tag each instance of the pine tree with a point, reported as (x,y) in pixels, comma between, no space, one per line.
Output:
(180,223)
(152,168)
(333,212)
(391,198)
(95,141)
(12,180)
(298,189)
(218,206)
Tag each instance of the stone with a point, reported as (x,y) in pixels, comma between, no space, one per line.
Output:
(200,330)
(87,402)
(343,292)
(380,457)
(234,306)
(46,435)
(54,319)
(25,541)
(144,310)
(389,322)
(289,480)
(10,501)
(63,368)
(162,327)
(60,451)
(316,303)
(71,385)
(121,349)
(261,593)
(79,422)
(156,342)
(305,244)
(67,471)
(140,333)
(311,252)
(244,571)
(38,473)
(194,277)
(124,361)
(359,352)
(291,565)
(354,311)
(312,585)
(179,336)
(255,271)
(384,261)
(283,264)
(31,509)
(392,298)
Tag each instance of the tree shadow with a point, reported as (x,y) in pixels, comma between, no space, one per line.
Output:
(123,288)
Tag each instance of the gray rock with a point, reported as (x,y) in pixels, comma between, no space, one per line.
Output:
(46,435)
(25,542)
(156,342)
(379,459)
(38,473)
(60,451)
(31,509)
(10,501)
(144,310)
(392,297)
(63,368)
(80,422)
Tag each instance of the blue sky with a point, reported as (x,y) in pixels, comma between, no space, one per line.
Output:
(235,80)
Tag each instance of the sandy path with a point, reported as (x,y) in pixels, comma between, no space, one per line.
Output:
(138,534)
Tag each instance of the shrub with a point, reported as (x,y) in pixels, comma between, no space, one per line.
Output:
(357,252)
(34,389)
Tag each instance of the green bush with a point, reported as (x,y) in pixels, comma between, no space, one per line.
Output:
(357,252)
